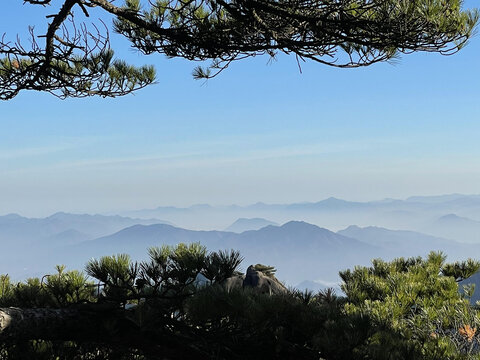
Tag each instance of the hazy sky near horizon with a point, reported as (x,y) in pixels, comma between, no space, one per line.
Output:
(260,131)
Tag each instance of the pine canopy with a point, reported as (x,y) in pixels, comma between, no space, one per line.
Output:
(72,60)
(176,306)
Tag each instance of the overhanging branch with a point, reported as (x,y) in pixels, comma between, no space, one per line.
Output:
(342,33)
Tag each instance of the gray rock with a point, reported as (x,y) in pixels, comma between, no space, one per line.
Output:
(233,282)
(264,282)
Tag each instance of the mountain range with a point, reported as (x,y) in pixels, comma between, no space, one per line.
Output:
(305,252)
(15,227)
(299,250)
(419,213)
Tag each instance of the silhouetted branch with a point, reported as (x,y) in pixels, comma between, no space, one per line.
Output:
(339,33)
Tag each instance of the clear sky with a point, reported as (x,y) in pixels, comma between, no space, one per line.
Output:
(260,131)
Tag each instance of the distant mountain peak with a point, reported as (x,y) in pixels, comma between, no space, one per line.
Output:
(298,223)
(247,224)
(455,218)
(59,214)
(336,203)
(352,227)
(298,226)
(450,217)
(12,216)
(334,200)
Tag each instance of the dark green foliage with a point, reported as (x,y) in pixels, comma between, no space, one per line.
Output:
(461,270)
(174,306)
(52,291)
(117,274)
(221,265)
(267,270)
(256,326)
(415,311)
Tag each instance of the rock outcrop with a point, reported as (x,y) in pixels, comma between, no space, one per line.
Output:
(257,277)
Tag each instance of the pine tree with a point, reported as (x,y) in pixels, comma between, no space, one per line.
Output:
(414,308)
(175,306)
(71,60)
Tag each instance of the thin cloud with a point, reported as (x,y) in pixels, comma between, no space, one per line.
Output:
(49,149)
(31,152)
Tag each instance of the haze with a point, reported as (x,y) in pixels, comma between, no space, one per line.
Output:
(258,132)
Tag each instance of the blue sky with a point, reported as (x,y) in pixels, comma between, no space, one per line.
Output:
(260,131)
